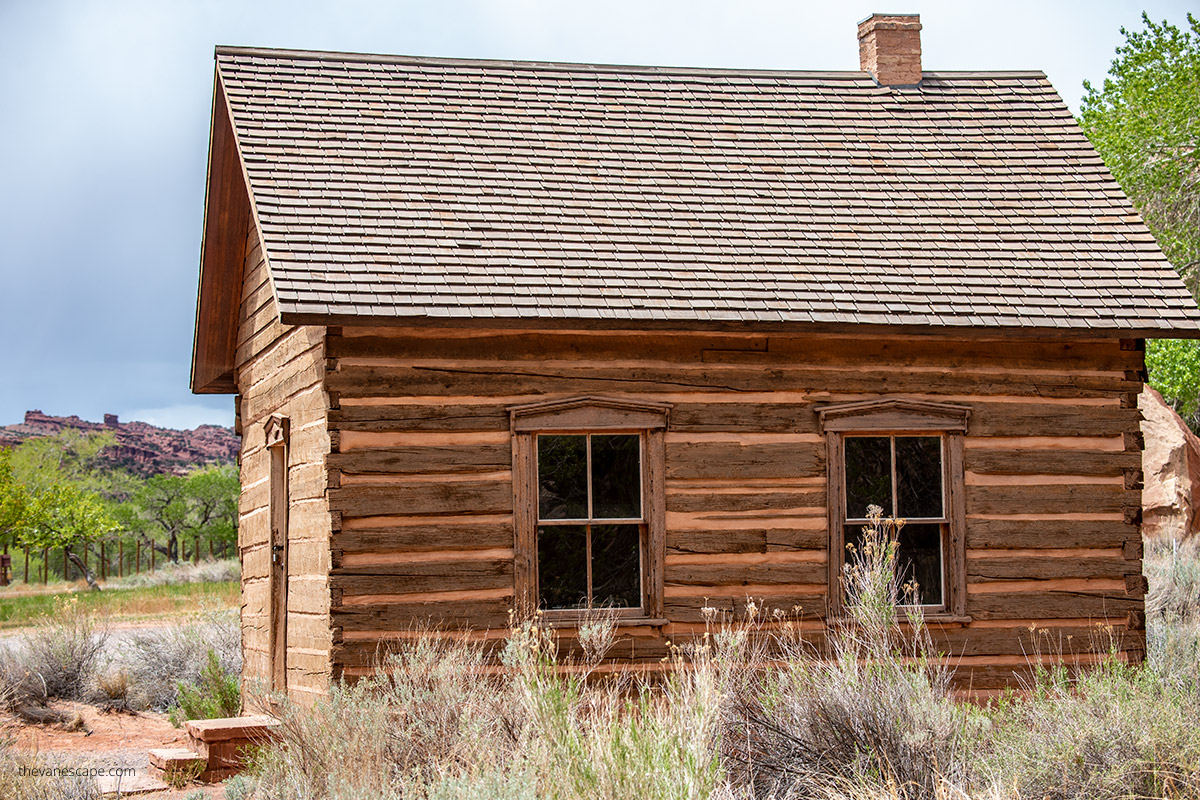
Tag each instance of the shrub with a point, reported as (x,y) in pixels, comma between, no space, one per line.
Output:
(875,713)
(159,660)
(19,782)
(206,571)
(216,693)
(57,659)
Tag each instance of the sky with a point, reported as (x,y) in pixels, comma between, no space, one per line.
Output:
(104,121)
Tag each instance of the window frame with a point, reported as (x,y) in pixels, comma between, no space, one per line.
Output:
(900,417)
(582,416)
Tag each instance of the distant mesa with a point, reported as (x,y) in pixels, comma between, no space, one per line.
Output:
(142,448)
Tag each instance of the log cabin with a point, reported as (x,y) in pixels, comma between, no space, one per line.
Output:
(512,334)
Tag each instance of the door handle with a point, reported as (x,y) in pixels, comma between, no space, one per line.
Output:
(276,552)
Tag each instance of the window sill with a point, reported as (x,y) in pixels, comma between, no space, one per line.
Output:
(558,623)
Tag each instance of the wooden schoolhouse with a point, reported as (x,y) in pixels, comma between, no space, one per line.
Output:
(507,335)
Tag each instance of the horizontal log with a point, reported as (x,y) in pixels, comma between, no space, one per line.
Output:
(715,347)
(476,615)
(1018,534)
(1049,605)
(416,578)
(451,497)
(483,378)
(984,569)
(759,539)
(483,535)
(717,460)
(747,501)
(422,417)
(1047,419)
(1049,499)
(424,459)
(727,575)
(743,417)
(1020,461)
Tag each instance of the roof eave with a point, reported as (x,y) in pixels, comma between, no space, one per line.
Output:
(1186,330)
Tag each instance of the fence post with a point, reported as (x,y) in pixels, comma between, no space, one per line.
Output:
(45,565)
(103,563)
(66,566)
(196,551)
(27,564)
(152,556)
(137,564)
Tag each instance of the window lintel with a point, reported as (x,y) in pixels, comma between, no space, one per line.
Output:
(589,412)
(893,414)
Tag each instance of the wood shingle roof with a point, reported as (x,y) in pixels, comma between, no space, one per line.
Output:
(393,188)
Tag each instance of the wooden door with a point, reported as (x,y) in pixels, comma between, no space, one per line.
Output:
(279,556)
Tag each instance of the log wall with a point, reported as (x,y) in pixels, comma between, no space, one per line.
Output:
(421,492)
(280,369)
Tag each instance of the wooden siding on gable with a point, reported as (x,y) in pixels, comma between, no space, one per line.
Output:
(421,484)
(280,369)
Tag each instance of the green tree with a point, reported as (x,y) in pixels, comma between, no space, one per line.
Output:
(1145,123)
(166,508)
(1174,367)
(66,516)
(14,503)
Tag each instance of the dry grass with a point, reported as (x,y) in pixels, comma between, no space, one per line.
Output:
(756,714)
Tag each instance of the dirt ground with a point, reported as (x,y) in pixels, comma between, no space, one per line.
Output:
(104,739)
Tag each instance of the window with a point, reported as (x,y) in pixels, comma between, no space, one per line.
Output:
(589,510)
(904,456)
(590,520)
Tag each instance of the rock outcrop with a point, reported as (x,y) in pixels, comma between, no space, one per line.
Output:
(141,448)
(1171,467)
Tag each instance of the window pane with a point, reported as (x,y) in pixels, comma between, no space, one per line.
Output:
(562,477)
(920,561)
(868,475)
(919,476)
(616,477)
(616,565)
(562,566)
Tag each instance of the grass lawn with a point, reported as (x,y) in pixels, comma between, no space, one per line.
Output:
(18,611)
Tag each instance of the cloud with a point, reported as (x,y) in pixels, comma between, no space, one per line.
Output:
(183,416)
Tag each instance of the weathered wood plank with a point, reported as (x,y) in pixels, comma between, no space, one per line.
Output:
(432,537)
(1049,605)
(476,614)
(424,460)
(426,498)
(716,460)
(399,579)
(484,379)
(1019,534)
(726,575)
(1020,461)
(746,501)
(983,569)
(1049,499)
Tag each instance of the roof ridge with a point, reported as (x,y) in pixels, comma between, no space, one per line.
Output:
(572,66)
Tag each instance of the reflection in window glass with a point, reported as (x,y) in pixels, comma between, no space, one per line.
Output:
(616,477)
(562,566)
(562,477)
(868,475)
(919,477)
(616,566)
(919,562)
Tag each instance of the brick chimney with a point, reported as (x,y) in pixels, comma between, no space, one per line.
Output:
(889,47)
